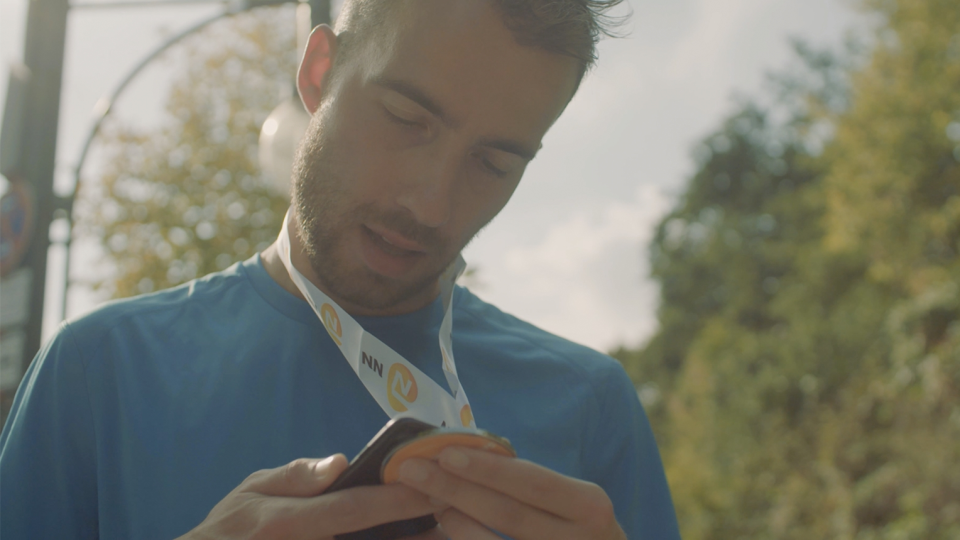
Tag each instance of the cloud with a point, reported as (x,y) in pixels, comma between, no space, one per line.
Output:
(608,92)
(701,51)
(586,279)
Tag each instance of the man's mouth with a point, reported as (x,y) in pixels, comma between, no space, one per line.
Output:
(394,243)
(388,253)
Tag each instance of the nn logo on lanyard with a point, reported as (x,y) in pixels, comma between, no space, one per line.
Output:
(401,387)
(331,321)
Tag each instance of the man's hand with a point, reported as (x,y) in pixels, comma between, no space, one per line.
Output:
(284,503)
(516,497)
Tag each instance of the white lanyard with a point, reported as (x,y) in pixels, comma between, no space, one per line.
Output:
(399,387)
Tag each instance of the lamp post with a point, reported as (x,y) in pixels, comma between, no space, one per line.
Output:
(28,152)
(29,166)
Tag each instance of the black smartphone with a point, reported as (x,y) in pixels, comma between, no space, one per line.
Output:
(364,470)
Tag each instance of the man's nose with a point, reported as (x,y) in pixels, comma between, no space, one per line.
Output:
(428,194)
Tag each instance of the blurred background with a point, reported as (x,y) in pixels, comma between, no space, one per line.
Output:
(753,205)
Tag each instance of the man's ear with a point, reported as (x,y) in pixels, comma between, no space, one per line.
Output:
(317,60)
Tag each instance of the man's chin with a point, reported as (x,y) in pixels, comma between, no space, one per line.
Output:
(374,293)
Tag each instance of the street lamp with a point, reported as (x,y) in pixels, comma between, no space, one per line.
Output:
(284,127)
(279,139)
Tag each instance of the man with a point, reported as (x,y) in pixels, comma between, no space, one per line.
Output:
(137,420)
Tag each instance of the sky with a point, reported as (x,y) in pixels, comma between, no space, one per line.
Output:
(569,252)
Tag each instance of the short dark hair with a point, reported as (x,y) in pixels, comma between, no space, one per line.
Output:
(567,27)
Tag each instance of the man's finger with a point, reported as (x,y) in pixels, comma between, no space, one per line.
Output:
(435,533)
(492,508)
(299,478)
(460,525)
(563,496)
(355,509)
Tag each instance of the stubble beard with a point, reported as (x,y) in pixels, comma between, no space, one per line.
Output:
(323,218)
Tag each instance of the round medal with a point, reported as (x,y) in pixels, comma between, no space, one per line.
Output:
(429,445)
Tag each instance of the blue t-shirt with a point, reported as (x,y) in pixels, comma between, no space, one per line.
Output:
(135,420)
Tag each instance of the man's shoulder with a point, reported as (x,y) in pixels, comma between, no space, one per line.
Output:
(484,322)
(178,305)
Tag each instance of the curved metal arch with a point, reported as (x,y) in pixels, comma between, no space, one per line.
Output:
(104,107)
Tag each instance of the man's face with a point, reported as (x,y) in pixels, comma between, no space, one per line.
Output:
(418,143)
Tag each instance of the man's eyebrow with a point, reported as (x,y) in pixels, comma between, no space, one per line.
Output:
(415,94)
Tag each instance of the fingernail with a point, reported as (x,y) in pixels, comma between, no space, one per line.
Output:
(322,468)
(454,458)
(413,471)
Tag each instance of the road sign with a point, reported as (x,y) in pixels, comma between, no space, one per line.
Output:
(16,225)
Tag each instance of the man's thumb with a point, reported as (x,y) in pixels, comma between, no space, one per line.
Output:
(299,478)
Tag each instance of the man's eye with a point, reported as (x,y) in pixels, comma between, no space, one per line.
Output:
(489,166)
(398,119)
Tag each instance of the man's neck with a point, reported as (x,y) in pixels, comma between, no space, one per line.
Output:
(275,268)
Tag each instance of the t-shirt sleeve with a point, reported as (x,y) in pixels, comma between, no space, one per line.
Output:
(48,450)
(622,457)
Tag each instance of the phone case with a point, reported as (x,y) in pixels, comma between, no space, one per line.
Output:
(364,470)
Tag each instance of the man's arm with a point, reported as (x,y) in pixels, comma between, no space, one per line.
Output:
(48,463)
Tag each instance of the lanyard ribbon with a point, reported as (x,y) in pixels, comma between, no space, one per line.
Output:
(398,386)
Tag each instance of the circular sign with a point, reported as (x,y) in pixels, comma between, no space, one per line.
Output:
(16,225)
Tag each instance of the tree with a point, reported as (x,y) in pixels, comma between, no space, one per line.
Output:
(808,359)
(893,199)
(189,198)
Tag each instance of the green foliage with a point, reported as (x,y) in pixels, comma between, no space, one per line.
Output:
(805,380)
(189,199)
